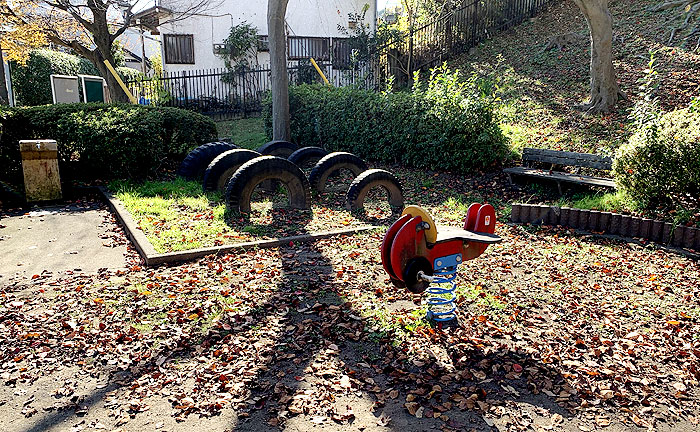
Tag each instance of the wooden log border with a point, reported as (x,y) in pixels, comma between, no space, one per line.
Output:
(608,223)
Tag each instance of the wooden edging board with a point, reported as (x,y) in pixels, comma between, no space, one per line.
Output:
(608,223)
(153,258)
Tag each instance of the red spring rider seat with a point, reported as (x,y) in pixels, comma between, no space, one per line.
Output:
(416,253)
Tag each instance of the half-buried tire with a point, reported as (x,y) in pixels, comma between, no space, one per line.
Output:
(283,149)
(199,159)
(240,188)
(221,169)
(330,164)
(357,192)
(307,155)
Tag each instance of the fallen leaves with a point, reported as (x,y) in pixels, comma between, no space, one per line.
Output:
(313,330)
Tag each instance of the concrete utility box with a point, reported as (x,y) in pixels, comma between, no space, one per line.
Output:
(93,88)
(40,165)
(64,89)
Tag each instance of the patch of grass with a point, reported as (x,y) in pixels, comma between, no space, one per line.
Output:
(175,215)
(611,201)
(247,132)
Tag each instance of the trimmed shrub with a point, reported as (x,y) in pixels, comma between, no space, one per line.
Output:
(660,164)
(32,83)
(103,141)
(445,124)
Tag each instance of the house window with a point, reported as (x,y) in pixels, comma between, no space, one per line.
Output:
(263,43)
(179,48)
(341,53)
(305,47)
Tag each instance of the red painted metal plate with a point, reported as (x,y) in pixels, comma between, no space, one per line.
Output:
(470,220)
(389,240)
(405,246)
(485,223)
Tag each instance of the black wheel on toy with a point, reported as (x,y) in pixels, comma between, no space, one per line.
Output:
(410,274)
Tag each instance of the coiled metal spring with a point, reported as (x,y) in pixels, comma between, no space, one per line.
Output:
(441,299)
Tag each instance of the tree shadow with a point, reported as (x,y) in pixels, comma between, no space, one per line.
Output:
(328,350)
(322,346)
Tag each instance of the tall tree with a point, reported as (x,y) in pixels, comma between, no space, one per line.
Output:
(17,41)
(87,27)
(276,11)
(605,91)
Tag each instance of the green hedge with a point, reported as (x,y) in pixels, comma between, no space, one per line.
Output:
(661,163)
(31,82)
(103,141)
(446,124)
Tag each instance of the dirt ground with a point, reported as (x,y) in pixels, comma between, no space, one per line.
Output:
(558,331)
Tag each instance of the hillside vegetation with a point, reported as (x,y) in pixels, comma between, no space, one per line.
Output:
(540,87)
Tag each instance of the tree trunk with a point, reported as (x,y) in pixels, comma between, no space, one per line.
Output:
(115,91)
(276,11)
(4,96)
(605,91)
(103,42)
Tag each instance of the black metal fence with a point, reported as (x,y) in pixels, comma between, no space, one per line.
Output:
(454,32)
(222,93)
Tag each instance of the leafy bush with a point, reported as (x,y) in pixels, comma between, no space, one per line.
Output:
(660,164)
(32,83)
(129,74)
(444,124)
(103,141)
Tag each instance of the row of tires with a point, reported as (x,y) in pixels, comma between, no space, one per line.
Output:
(237,172)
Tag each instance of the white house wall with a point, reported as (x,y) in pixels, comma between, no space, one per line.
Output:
(319,18)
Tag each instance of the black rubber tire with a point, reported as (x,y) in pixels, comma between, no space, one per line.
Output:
(221,169)
(410,274)
(240,188)
(307,154)
(198,160)
(283,149)
(355,197)
(331,163)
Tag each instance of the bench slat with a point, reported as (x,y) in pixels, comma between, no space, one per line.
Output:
(567,158)
(560,176)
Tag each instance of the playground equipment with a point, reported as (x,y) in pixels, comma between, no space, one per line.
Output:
(218,164)
(416,253)
(197,161)
(331,164)
(307,156)
(369,179)
(222,168)
(242,184)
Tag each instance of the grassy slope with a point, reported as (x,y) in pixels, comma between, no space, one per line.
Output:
(248,132)
(539,88)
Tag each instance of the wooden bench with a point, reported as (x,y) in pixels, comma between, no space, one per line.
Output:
(533,156)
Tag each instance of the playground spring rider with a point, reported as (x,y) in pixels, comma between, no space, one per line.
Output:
(416,253)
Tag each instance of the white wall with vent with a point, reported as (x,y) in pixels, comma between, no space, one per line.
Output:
(305,18)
